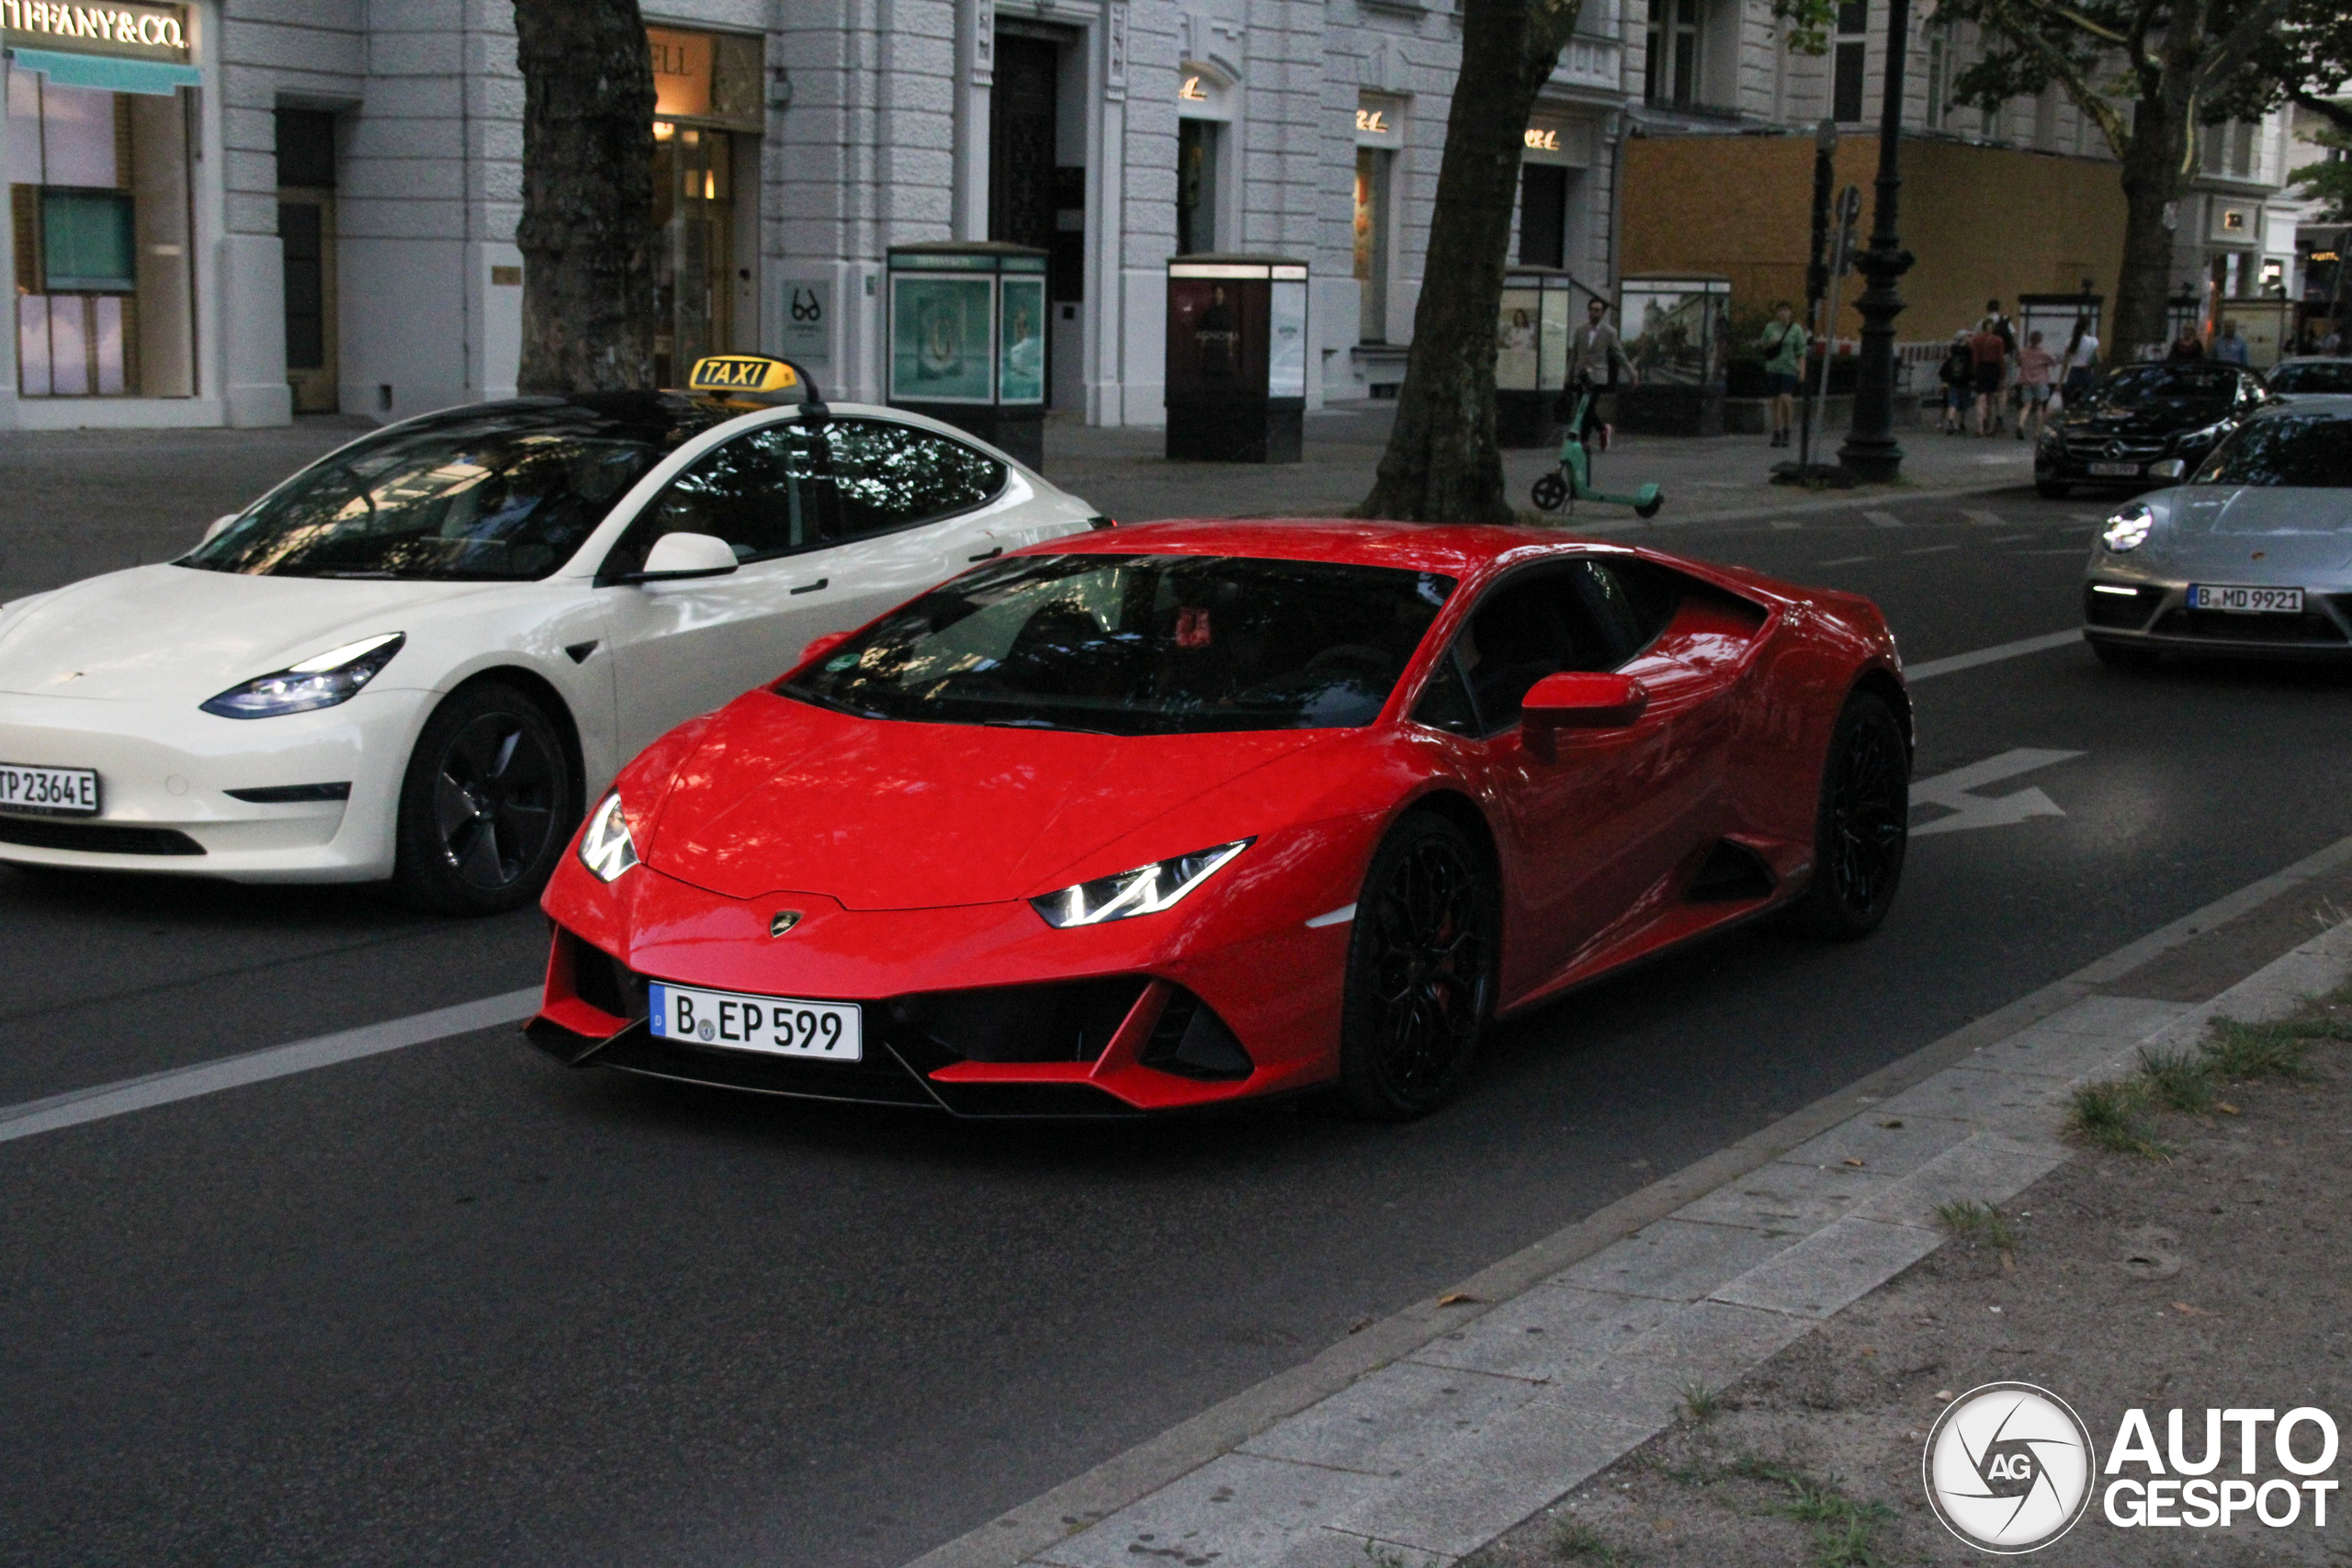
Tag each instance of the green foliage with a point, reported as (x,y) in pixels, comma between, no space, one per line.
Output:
(1701,1404)
(2329,181)
(2177,1080)
(2110,1116)
(1579,1542)
(2267,1050)
(1979,1224)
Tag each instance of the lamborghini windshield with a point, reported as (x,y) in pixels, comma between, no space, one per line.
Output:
(502,493)
(1139,645)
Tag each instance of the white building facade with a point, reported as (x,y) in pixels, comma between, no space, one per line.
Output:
(226,211)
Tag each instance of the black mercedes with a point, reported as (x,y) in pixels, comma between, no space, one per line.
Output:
(2142,415)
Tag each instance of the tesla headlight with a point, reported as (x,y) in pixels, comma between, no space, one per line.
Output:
(318,682)
(2128,529)
(605,847)
(1146,890)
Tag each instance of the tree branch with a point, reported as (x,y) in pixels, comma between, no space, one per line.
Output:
(2062,66)
(2335,114)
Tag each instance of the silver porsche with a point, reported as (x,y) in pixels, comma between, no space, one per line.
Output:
(2250,556)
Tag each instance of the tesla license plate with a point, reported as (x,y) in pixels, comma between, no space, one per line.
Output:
(52,792)
(2245,600)
(2115,471)
(780,1026)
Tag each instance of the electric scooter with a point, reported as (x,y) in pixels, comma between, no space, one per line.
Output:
(1572,480)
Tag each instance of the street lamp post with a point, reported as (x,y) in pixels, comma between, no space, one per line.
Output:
(1817,272)
(1871,451)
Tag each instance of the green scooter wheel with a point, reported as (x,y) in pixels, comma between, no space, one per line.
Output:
(1549,492)
(1649,508)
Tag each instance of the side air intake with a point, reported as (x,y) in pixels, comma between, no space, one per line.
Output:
(1733,873)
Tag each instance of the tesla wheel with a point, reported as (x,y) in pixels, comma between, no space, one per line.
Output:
(489,802)
(2115,656)
(2053,490)
(1420,971)
(1863,825)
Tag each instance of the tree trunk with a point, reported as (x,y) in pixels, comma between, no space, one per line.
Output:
(1441,465)
(2152,183)
(586,233)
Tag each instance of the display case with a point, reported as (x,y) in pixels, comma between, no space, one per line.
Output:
(1236,358)
(1538,314)
(966,340)
(1677,328)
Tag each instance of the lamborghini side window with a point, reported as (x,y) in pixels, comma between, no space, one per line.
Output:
(1445,702)
(1533,625)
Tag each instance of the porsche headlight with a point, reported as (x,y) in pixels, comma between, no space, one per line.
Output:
(1146,890)
(605,848)
(2128,529)
(318,682)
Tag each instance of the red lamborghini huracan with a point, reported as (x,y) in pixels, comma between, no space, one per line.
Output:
(1166,816)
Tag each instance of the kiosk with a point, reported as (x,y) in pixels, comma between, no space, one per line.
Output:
(1236,358)
(1532,334)
(966,341)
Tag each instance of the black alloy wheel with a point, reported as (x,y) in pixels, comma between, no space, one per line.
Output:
(1420,971)
(1863,826)
(489,802)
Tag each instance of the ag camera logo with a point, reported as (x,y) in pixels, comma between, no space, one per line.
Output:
(2008,1467)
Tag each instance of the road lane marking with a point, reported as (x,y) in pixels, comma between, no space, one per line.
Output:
(2061,550)
(1337,917)
(1915,673)
(2011,538)
(117,1099)
(1845,560)
(1955,792)
(1785,526)
(1882,520)
(1930,550)
(1986,519)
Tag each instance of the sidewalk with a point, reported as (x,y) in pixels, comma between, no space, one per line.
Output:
(1455,1433)
(1122,471)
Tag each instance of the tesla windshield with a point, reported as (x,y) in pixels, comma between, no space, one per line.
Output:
(2143,385)
(2311,450)
(503,493)
(1139,645)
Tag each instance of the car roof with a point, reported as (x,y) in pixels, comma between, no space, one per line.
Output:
(1448,548)
(2302,405)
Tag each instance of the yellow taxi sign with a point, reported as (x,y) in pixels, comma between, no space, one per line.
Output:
(741,373)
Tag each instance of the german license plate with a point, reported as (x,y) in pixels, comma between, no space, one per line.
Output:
(2245,600)
(779,1026)
(50,791)
(2115,471)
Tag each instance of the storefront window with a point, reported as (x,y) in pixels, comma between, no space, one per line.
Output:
(706,185)
(98,203)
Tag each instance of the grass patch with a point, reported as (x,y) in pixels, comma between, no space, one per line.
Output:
(1701,1404)
(1979,1224)
(1579,1542)
(2281,1050)
(1843,1528)
(2112,1116)
(2178,1081)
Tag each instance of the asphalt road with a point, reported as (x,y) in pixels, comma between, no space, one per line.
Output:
(455,1305)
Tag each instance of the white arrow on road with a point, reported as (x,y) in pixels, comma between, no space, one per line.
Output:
(1953,792)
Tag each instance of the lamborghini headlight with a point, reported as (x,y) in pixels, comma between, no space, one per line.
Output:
(1146,890)
(605,847)
(2128,529)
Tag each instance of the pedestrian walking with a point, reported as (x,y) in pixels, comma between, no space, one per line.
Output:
(1992,369)
(2082,359)
(2007,331)
(1595,356)
(1783,343)
(1958,377)
(2036,367)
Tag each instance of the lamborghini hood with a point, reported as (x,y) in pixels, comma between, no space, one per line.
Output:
(885,814)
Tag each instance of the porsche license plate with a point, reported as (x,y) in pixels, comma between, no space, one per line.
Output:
(2245,600)
(2115,471)
(50,791)
(780,1026)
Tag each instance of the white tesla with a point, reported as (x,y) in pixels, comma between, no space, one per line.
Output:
(420,657)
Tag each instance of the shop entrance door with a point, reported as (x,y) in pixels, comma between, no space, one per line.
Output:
(306,233)
(702,270)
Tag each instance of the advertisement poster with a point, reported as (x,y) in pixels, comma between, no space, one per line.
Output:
(1287,340)
(1020,378)
(940,341)
(806,333)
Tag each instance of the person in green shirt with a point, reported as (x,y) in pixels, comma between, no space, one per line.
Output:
(1783,343)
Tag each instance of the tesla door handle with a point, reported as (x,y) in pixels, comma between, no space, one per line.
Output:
(986,555)
(812,587)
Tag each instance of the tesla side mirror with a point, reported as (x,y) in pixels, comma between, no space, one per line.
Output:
(821,646)
(212,529)
(1575,699)
(675,558)
(2172,470)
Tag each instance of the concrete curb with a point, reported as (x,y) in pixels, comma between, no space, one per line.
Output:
(1251,1478)
(1430,1457)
